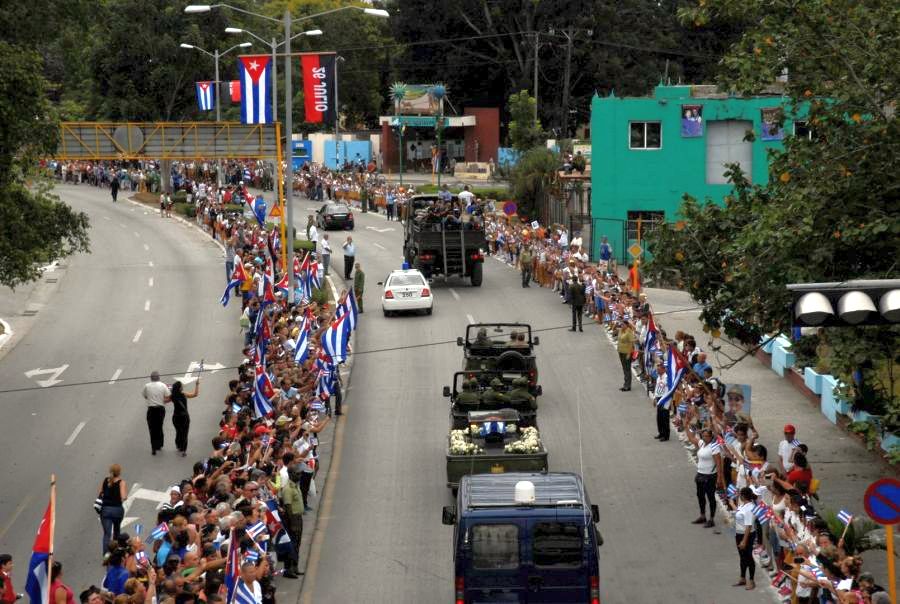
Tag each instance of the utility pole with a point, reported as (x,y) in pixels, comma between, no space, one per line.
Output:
(567,75)
(537,44)
(337,118)
(218,102)
(288,154)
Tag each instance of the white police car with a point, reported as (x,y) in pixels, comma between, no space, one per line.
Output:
(406,290)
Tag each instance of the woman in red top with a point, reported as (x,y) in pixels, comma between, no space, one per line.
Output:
(7,593)
(60,592)
(801,475)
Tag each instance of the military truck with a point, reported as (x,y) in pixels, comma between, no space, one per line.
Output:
(442,247)
(502,347)
(478,390)
(493,442)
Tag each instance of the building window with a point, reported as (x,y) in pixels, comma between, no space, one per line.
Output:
(802,130)
(644,135)
(649,222)
(725,145)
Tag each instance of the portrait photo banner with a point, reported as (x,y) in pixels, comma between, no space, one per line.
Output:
(318,87)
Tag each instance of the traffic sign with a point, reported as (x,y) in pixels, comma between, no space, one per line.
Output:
(276,211)
(510,208)
(635,250)
(882,501)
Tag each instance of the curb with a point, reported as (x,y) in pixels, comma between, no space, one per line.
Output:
(7,333)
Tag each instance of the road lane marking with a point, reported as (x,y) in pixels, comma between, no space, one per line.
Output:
(136,234)
(15,515)
(150,282)
(137,336)
(379,246)
(471,319)
(146,247)
(147,306)
(107,218)
(150,264)
(75,434)
(123,226)
(454,294)
(115,376)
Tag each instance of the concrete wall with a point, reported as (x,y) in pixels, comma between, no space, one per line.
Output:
(486,131)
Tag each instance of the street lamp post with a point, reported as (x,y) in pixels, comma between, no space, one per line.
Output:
(286,20)
(216,55)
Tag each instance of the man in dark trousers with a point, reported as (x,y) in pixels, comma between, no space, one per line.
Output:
(349,256)
(525,260)
(114,186)
(359,285)
(156,394)
(576,299)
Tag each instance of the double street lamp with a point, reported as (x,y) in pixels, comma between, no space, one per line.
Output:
(216,55)
(287,20)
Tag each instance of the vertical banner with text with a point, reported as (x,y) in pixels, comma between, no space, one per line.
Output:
(318,87)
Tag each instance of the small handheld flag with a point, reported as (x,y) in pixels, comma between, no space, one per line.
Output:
(845,517)
(159,532)
(255,530)
(795,443)
(732,491)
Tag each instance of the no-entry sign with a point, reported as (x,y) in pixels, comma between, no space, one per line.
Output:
(882,501)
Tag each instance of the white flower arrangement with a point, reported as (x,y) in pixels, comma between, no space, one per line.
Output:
(460,445)
(529,442)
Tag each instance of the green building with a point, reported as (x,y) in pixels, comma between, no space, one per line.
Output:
(648,152)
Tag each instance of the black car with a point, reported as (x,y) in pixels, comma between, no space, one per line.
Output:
(334,216)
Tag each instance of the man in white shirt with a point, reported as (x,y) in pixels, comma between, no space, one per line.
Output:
(157,394)
(786,449)
(466,197)
(325,253)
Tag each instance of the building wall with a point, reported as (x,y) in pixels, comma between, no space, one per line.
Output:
(624,179)
(486,131)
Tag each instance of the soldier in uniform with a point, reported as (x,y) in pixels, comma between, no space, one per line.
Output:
(468,399)
(359,285)
(481,339)
(492,397)
(519,395)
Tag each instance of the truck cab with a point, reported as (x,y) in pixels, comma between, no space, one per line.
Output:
(524,538)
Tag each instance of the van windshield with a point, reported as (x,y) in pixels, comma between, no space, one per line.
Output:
(495,546)
(557,545)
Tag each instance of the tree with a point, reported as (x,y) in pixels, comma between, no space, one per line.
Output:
(830,210)
(533,177)
(35,226)
(524,132)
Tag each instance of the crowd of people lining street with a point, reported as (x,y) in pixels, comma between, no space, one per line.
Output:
(247,496)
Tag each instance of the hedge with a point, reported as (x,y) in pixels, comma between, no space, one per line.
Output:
(302,245)
(185,209)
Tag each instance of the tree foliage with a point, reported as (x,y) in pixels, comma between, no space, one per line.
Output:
(533,177)
(524,132)
(830,210)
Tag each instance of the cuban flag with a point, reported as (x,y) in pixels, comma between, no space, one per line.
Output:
(243,594)
(732,491)
(263,391)
(762,512)
(301,267)
(238,276)
(273,518)
(348,307)
(206,98)
(324,384)
(141,558)
(37,585)
(255,530)
(256,90)
(301,351)
(675,369)
(323,361)
(336,338)
(650,345)
(845,517)
(159,532)
(265,292)
(283,284)
(251,556)
(259,209)
(233,566)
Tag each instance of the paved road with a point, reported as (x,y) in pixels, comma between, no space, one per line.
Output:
(106,319)
(380,537)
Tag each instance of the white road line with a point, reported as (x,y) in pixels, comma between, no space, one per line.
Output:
(123,226)
(115,376)
(75,433)
(379,246)
(137,336)
(150,282)
(147,306)
(471,319)
(107,218)
(150,264)
(454,294)
(136,234)
(146,247)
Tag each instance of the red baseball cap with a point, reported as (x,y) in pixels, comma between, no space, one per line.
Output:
(789,428)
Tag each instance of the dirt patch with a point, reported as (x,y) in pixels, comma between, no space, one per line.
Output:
(148,198)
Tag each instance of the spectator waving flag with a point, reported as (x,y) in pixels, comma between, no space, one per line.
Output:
(324,383)
(259,209)
(301,351)
(336,338)
(650,344)
(37,585)
(159,532)
(232,566)
(348,307)
(732,491)
(795,443)
(238,276)
(283,284)
(255,530)
(676,365)
(206,99)
(762,512)
(256,92)
(251,556)
(845,517)
(273,518)
(244,594)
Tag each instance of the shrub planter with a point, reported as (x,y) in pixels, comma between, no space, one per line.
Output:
(782,358)
(889,441)
(812,380)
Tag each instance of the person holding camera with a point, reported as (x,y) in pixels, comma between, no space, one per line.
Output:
(7,593)
(112,496)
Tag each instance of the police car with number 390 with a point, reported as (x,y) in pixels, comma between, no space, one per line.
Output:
(406,290)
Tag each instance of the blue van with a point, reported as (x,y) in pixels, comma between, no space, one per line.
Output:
(524,538)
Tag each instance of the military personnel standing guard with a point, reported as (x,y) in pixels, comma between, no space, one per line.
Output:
(525,261)
(359,285)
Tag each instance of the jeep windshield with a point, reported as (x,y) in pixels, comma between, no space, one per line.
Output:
(493,338)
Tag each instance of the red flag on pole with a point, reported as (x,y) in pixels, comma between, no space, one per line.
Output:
(234,89)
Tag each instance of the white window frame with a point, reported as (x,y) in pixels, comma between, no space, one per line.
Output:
(645,122)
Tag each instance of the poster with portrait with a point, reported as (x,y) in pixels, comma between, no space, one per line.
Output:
(691,121)
(770,130)
(737,403)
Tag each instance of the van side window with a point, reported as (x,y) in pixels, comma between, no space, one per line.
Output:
(495,546)
(557,544)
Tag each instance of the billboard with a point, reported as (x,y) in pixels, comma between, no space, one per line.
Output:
(318,87)
(418,100)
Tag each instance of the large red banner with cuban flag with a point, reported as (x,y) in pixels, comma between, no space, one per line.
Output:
(318,87)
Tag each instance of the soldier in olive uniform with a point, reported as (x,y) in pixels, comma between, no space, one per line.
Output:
(492,397)
(519,395)
(481,339)
(359,284)
(468,399)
